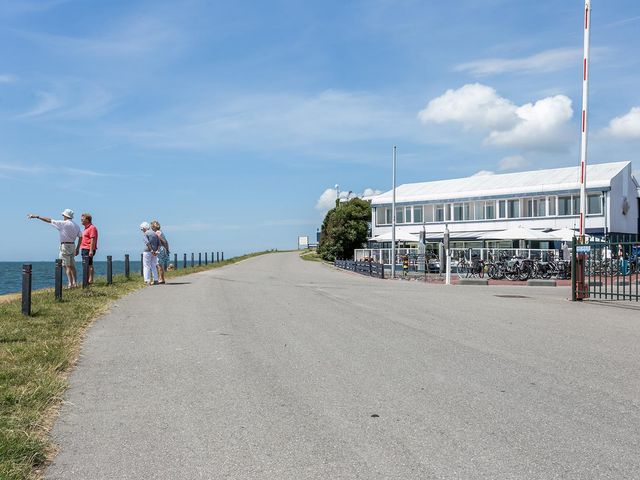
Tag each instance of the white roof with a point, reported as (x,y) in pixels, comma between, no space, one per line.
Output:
(537,181)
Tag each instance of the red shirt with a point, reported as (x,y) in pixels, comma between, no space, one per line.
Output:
(90,231)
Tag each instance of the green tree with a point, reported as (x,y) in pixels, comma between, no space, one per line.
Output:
(344,229)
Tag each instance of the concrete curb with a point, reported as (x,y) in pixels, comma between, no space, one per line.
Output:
(538,282)
(473,281)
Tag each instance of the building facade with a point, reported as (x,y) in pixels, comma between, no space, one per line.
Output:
(540,200)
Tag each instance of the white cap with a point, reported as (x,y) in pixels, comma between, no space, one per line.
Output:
(67,213)
(145,226)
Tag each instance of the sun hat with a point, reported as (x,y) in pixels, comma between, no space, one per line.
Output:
(145,226)
(68,213)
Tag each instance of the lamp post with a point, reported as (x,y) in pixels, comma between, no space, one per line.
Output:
(393,219)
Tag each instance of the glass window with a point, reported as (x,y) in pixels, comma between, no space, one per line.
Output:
(490,210)
(594,204)
(552,206)
(389,212)
(407,215)
(468,211)
(417,214)
(428,213)
(576,204)
(457,212)
(479,207)
(527,207)
(502,209)
(541,209)
(514,208)
(399,214)
(447,212)
(381,215)
(439,213)
(564,205)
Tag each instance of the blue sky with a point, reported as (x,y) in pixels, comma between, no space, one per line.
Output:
(229,121)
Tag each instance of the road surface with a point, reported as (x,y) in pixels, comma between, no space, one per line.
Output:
(277,368)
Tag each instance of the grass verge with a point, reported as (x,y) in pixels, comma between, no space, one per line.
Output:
(36,356)
(312,256)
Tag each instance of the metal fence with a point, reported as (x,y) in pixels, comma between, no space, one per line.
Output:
(608,270)
(371,269)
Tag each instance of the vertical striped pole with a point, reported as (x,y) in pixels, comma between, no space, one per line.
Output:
(585,94)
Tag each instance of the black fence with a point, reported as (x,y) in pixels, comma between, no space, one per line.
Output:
(608,270)
(27,272)
(371,269)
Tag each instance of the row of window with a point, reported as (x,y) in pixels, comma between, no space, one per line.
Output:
(531,207)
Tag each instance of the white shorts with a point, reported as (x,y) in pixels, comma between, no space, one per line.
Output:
(67,254)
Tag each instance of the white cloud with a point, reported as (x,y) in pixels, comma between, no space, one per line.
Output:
(626,127)
(483,173)
(540,126)
(473,105)
(543,62)
(534,126)
(328,198)
(47,102)
(7,78)
(370,192)
(513,162)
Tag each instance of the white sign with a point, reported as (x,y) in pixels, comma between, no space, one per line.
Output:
(303,242)
(583,248)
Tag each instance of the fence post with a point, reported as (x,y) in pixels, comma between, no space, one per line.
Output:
(85,272)
(109,270)
(175,261)
(573,271)
(213,257)
(192,260)
(199,259)
(58,280)
(217,256)
(26,289)
(127,272)
(142,265)
(222,256)
(184,261)
(206,260)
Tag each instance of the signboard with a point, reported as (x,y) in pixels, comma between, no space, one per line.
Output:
(583,248)
(303,242)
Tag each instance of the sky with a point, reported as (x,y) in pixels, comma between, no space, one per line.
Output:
(231,122)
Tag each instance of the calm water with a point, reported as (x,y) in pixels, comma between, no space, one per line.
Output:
(43,273)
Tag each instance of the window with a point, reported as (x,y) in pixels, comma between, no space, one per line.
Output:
(417,214)
(399,214)
(439,213)
(428,213)
(564,205)
(468,211)
(514,208)
(502,209)
(447,212)
(490,210)
(552,206)
(381,214)
(457,212)
(479,207)
(534,207)
(407,215)
(541,209)
(594,204)
(527,207)
(576,205)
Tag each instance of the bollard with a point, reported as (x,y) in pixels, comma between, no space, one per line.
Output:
(127,272)
(85,272)
(222,256)
(26,289)
(175,261)
(213,257)
(192,260)
(184,262)
(142,265)
(217,257)
(199,259)
(58,280)
(206,261)
(109,270)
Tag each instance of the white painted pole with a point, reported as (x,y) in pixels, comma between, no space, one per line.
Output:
(585,95)
(448,255)
(393,219)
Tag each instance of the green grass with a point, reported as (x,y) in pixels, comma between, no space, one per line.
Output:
(36,356)
(312,256)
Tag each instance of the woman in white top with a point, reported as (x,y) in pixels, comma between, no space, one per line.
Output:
(163,253)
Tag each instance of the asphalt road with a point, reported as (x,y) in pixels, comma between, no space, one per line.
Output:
(277,368)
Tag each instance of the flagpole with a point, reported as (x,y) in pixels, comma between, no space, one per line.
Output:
(585,94)
(393,219)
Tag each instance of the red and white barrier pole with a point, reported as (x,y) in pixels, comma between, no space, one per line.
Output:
(585,95)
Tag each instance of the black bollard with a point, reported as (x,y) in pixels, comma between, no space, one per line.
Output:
(142,264)
(192,260)
(199,259)
(222,256)
(26,289)
(206,255)
(217,257)
(175,261)
(109,270)
(85,272)
(58,280)
(213,257)
(127,273)
(184,262)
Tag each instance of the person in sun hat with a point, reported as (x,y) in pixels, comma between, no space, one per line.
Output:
(150,254)
(69,232)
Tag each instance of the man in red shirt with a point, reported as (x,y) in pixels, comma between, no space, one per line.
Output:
(89,243)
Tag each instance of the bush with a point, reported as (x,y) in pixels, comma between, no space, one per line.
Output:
(344,229)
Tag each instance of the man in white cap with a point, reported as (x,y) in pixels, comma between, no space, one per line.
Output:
(150,254)
(69,233)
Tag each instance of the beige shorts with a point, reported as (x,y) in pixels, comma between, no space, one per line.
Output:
(67,254)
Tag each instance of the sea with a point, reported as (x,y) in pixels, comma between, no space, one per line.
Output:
(43,273)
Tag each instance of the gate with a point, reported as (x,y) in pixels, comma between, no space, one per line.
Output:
(606,269)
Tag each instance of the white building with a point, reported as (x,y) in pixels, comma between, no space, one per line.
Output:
(540,199)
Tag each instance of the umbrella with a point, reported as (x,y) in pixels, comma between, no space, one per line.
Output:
(518,233)
(402,235)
